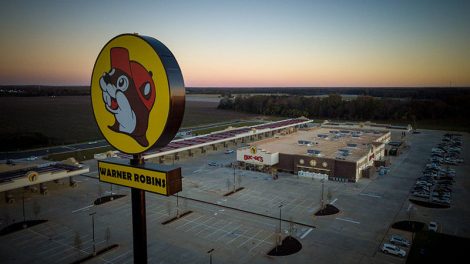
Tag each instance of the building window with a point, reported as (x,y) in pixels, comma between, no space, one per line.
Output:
(301,161)
(324,164)
(313,163)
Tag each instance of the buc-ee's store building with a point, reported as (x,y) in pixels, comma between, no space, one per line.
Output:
(339,155)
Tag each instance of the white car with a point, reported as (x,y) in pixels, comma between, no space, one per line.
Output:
(31,158)
(399,240)
(433,226)
(393,250)
(228,151)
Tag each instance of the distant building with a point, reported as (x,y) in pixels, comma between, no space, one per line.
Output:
(335,154)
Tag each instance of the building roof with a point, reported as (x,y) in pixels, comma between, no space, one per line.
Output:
(218,137)
(344,144)
(52,167)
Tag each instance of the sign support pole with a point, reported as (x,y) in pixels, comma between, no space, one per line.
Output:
(139,218)
(135,57)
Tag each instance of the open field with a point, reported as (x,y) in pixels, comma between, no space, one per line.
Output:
(69,119)
(368,209)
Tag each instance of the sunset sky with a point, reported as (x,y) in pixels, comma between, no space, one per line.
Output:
(247,43)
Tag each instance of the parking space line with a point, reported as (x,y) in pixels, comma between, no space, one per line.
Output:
(123,254)
(370,195)
(251,238)
(348,220)
(208,227)
(49,248)
(83,208)
(188,221)
(220,229)
(306,233)
(263,241)
(199,224)
(60,252)
(235,238)
(229,232)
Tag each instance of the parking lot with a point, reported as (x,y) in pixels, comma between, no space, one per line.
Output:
(242,227)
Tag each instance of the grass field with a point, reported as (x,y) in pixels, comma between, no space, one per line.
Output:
(69,119)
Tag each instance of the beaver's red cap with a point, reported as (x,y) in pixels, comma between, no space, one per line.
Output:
(141,76)
(120,60)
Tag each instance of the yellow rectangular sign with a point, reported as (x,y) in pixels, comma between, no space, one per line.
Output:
(161,181)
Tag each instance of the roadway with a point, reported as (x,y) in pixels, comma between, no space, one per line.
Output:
(16,155)
(12,155)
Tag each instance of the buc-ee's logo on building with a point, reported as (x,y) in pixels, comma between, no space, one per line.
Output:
(137,98)
(253,150)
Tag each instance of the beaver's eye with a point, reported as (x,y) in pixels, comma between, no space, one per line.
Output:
(122,83)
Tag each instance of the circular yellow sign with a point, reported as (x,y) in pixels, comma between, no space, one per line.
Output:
(32,176)
(133,97)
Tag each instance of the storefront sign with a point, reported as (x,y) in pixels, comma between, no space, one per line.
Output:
(250,157)
(137,93)
(149,177)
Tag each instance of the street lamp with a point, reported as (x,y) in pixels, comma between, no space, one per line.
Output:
(234,179)
(93,228)
(24,215)
(322,190)
(210,255)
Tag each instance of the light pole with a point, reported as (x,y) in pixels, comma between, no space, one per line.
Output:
(280,219)
(210,255)
(322,189)
(234,179)
(177,207)
(93,228)
(24,215)
(411,224)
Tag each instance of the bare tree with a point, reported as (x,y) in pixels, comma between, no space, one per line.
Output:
(185,205)
(6,217)
(229,183)
(78,242)
(322,197)
(36,209)
(277,237)
(168,208)
(292,227)
(329,195)
(100,190)
(107,235)
(177,206)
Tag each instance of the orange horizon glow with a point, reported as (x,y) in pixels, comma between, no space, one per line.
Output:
(262,44)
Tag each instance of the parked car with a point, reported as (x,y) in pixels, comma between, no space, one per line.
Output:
(393,250)
(31,158)
(421,195)
(433,226)
(212,163)
(399,240)
(228,151)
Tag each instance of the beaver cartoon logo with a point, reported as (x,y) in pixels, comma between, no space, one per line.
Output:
(253,150)
(129,94)
(137,93)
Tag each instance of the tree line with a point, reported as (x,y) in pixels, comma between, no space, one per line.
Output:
(334,106)
(41,90)
(388,92)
